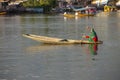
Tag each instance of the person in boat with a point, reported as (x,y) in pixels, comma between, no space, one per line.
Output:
(92,11)
(92,37)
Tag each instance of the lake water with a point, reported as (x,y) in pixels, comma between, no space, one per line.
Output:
(25,59)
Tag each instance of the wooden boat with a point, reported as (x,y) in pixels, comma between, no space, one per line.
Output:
(79,15)
(69,15)
(52,40)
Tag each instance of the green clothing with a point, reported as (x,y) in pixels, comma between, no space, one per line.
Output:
(92,37)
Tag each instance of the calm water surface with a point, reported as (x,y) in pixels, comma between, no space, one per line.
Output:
(24,59)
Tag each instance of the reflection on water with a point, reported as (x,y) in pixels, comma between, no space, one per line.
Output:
(25,59)
(91,48)
(42,47)
(87,48)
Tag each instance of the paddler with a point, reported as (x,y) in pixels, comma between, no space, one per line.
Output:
(92,37)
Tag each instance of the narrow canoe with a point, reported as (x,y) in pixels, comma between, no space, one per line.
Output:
(79,15)
(52,40)
(69,15)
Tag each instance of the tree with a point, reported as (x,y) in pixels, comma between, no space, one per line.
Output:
(46,4)
(38,3)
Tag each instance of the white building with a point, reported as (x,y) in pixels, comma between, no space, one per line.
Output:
(100,2)
(118,3)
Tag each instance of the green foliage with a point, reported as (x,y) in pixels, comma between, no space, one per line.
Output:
(44,2)
(38,3)
(53,3)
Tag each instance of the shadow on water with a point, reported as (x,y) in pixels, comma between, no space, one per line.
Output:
(90,49)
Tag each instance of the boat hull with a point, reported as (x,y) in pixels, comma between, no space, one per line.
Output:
(79,15)
(52,40)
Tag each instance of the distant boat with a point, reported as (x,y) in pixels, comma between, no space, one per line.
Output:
(79,15)
(81,12)
(109,8)
(68,15)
